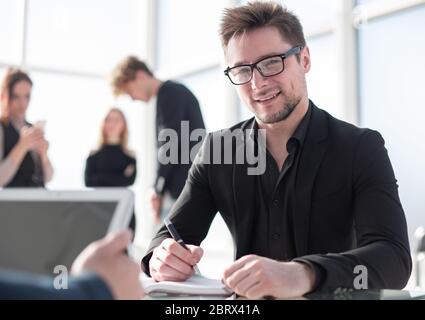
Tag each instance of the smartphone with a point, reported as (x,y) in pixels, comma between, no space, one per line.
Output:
(40,125)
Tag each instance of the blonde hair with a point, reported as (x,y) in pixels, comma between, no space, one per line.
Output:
(11,78)
(123,136)
(125,72)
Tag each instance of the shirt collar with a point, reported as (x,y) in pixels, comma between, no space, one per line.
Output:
(301,131)
(299,134)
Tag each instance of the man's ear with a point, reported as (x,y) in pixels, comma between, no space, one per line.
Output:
(305,59)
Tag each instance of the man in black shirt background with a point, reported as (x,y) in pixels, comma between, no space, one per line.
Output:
(176,106)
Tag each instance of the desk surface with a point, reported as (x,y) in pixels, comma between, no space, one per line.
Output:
(371,295)
(354,295)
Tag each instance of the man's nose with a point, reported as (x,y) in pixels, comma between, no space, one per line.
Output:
(258,81)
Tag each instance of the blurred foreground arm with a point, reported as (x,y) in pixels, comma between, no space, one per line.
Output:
(101,271)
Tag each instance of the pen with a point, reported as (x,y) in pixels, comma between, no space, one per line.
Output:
(178,239)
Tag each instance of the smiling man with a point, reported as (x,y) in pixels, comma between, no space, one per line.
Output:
(327,204)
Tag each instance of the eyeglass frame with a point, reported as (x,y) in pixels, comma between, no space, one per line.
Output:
(283,56)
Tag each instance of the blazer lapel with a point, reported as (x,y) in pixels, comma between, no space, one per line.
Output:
(314,149)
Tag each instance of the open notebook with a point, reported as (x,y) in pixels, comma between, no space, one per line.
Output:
(195,285)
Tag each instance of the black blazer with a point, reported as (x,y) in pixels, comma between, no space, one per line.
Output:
(347,208)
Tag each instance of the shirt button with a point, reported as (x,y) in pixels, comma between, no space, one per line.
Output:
(276,236)
(275,202)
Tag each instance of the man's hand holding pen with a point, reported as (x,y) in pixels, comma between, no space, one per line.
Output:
(171,261)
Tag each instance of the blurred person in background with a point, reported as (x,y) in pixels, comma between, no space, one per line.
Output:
(112,164)
(23,148)
(174,103)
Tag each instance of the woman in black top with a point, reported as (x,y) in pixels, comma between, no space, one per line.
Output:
(112,164)
(23,148)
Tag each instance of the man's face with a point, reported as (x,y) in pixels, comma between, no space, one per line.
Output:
(137,89)
(271,99)
(19,100)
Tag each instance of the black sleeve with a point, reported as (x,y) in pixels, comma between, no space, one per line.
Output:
(380,224)
(171,109)
(194,210)
(130,180)
(90,178)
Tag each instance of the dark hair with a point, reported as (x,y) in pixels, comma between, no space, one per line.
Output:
(12,77)
(126,71)
(239,20)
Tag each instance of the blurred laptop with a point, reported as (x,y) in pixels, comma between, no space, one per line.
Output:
(41,229)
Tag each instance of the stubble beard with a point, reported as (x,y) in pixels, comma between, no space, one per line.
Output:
(283,113)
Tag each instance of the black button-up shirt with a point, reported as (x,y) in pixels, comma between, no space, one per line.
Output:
(273,229)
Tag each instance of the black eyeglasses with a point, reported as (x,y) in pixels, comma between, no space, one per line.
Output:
(267,67)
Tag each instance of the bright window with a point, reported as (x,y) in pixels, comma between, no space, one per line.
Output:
(208,87)
(11,28)
(323,78)
(73,123)
(86,36)
(392,98)
(187,34)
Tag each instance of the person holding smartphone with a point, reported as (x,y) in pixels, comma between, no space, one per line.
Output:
(24,161)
